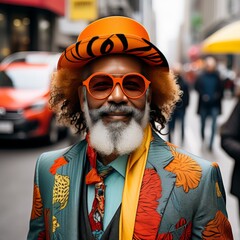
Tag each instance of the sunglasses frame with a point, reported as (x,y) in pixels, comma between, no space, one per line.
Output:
(116,80)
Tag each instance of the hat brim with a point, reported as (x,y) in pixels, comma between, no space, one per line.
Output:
(80,53)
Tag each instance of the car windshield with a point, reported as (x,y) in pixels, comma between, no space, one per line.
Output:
(25,76)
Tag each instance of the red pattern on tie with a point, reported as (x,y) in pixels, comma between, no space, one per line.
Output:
(97,211)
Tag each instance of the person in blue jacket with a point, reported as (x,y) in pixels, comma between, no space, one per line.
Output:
(209,87)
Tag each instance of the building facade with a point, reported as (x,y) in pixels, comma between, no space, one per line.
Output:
(27,25)
(52,25)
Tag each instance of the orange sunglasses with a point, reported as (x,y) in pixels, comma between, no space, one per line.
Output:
(100,85)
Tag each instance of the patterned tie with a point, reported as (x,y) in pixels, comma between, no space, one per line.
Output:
(97,212)
(97,178)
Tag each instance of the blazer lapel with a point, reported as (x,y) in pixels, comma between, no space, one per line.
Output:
(159,157)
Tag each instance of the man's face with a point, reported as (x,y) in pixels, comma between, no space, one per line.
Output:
(115,123)
(119,65)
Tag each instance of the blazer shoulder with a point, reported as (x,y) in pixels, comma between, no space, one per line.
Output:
(52,155)
(175,155)
(47,158)
(186,157)
(209,168)
(205,163)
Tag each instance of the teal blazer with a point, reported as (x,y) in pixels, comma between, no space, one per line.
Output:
(182,196)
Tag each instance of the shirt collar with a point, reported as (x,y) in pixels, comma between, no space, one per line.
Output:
(119,164)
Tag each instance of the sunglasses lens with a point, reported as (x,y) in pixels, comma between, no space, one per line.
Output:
(134,85)
(100,86)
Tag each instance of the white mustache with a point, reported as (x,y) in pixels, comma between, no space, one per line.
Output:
(96,114)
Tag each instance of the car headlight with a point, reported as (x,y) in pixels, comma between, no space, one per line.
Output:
(39,105)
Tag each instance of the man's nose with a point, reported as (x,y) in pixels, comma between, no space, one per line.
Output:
(117,95)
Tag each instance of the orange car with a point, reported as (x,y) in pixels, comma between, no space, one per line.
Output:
(24,95)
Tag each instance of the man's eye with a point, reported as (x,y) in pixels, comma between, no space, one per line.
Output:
(101,86)
(132,85)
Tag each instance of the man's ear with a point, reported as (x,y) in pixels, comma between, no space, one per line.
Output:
(81,97)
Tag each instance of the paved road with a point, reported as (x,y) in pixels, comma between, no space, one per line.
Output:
(17,165)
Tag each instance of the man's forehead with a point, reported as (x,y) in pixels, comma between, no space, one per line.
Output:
(116,63)
(116,58)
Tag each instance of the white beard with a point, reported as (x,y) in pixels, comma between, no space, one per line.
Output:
(117,137)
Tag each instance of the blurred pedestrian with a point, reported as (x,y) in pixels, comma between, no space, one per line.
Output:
(123,181)
(209,86)
(178,114)
(230,142)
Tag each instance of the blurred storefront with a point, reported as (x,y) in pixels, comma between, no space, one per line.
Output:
(52,25)
(27,25)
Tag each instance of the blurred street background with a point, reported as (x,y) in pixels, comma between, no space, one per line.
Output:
(34,32)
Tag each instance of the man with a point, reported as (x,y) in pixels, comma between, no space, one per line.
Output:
(210,90)
(123,181)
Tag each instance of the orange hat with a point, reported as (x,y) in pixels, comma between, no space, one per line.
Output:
(109,35)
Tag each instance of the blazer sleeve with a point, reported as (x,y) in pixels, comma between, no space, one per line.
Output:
(211,220)
(36,225)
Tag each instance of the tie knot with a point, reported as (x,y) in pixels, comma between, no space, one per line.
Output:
(104,171)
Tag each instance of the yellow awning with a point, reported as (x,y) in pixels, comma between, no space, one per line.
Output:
(224,41)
